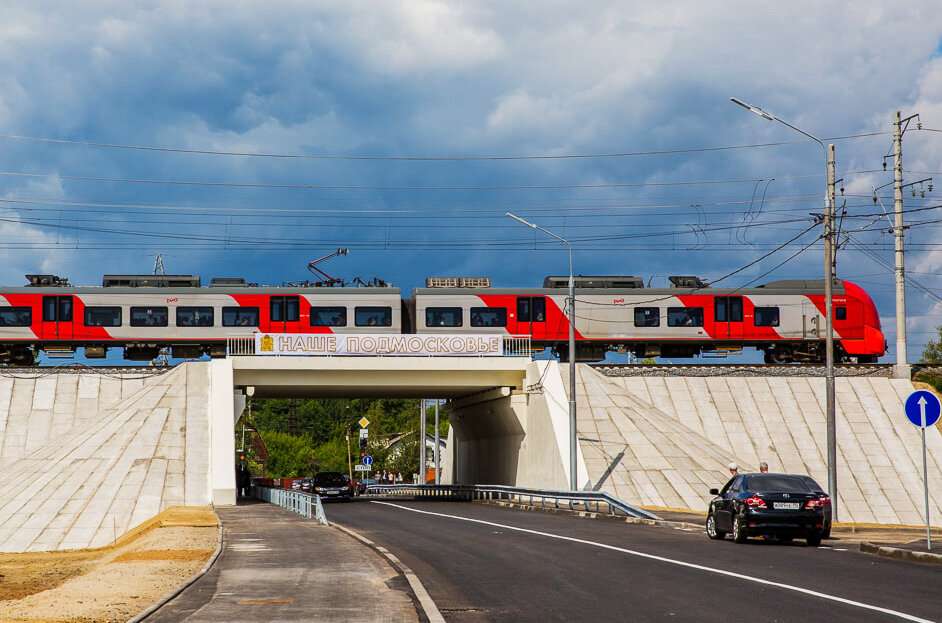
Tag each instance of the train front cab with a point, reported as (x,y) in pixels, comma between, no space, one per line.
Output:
(858,325)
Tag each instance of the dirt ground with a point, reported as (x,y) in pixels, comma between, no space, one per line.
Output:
(108,584)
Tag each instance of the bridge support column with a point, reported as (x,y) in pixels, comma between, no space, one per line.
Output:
(221,409)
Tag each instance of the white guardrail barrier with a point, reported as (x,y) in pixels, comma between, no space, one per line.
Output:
(308,505)
(590,501)
(380,345)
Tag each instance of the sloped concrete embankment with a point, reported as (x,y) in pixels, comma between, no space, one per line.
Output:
(86,457)
(679,433)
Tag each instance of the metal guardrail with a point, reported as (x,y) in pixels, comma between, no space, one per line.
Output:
(308,505)
(590,501)
(514,346)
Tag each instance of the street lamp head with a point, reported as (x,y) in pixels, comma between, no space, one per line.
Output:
(520,220)
(752,109)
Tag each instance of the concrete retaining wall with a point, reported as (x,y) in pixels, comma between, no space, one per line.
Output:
(86,457)
(779,420)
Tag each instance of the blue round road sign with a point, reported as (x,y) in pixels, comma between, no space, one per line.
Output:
(367,460)
(923,404)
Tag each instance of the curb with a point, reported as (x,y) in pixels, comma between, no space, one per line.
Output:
(220,543)
(428,606)
(900,553)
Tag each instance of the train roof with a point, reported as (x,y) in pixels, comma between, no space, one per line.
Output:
(280,290)
(790,286)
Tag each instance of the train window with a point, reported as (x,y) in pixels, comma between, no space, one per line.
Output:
(685,316)
(531,309)
(285,309)
(840,313)
(766,316)
(195,317)
(728,309)
(16,316)
(240,316)
(373,316)
(328,316)
(443,317)
(102,316)
(57,309)
(488,317)
(149,316)
(647,316)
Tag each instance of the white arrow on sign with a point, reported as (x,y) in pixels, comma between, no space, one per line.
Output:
(922,409)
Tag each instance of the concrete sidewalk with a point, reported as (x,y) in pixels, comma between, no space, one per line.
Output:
(277,566)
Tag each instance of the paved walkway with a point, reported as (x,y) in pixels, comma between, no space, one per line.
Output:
(279,567)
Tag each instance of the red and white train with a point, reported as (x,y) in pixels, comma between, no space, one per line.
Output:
(146,313)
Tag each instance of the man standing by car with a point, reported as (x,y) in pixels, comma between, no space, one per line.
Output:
(763,468)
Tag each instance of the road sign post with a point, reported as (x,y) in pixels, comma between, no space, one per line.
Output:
(924,409)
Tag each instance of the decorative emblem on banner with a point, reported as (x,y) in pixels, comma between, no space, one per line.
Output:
(268,344)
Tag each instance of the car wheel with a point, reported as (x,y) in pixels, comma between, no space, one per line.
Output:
(814,539)
(739,530)
(711,529)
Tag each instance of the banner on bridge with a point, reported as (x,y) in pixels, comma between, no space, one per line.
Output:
(366,344)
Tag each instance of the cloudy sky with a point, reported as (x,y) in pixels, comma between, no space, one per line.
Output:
(442,82)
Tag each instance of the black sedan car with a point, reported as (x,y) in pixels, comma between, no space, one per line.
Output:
(332,486)
(781,506)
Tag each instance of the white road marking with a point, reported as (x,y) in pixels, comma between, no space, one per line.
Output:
(681,563)
(426,601)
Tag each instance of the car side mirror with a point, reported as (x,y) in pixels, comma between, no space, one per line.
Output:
(714,491)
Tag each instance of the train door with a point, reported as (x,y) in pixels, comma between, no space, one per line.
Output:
(285,314)
(728,317)
(531,315)
(57,317)
(812,322)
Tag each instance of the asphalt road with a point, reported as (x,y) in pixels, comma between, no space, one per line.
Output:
(478,571)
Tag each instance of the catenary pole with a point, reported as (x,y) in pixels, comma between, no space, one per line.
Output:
(899,230)
(573,465)
(829,331)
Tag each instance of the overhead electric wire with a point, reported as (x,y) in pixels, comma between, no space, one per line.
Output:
(686,291)
(420,158)
(255,240)
(357,187)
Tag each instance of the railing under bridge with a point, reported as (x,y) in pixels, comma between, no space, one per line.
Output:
(383,345)
(589,501)
(308,505)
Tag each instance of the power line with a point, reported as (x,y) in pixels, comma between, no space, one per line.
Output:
(429,158)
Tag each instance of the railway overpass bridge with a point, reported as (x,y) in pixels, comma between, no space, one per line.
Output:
(86,454)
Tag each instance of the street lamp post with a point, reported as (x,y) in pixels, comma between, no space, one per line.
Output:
(829,253)
(573,475)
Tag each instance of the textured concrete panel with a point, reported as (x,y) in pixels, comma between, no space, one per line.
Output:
(685,429)
(89,456)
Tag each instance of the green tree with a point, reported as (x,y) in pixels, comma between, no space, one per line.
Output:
(288,455)
(933,350)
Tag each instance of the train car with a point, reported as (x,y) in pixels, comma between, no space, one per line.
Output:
(784,319)
(146,313)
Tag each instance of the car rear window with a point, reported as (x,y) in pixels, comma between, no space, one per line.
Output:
(777,483)
(332,479)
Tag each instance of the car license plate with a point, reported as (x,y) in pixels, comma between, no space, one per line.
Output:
(786,506)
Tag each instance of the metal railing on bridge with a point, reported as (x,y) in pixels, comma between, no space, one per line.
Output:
(308,505)
(589,501)
(511,346)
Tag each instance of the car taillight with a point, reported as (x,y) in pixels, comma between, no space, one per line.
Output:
(821,502)
(754,502)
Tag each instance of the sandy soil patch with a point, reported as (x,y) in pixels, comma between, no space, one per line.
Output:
(109,584)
